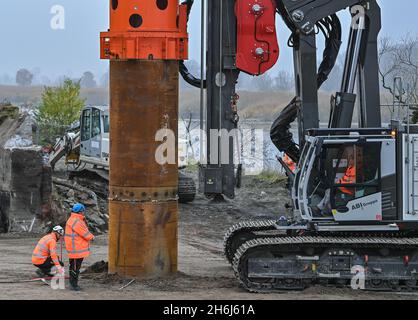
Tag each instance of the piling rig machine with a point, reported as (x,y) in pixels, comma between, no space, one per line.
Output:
(366,225)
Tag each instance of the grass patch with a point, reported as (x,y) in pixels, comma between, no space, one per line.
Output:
(8,111)
(271,177)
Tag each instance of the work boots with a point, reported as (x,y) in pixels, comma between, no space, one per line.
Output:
(74,280)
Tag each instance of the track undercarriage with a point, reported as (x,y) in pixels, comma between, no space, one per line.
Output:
(266,259)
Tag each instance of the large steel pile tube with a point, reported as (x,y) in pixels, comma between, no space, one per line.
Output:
(143,206)
(144,44)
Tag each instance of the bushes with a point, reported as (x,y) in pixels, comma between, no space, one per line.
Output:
(60,107)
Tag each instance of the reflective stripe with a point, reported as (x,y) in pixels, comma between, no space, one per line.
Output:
(43,247)
(76,247)
(45,251)
(73,234)
(79,251)
(39,256)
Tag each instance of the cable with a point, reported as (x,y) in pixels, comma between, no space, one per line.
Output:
(184,71)
(189,78)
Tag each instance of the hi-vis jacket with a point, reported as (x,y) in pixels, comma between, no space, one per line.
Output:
(290,163)
(77,237)
(349,178)
(46,247)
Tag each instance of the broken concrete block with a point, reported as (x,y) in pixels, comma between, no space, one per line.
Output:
(25,181)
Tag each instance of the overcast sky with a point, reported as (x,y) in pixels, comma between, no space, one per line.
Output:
(27,39)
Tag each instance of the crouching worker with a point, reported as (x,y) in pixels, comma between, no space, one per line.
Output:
(77,239)
(45,256)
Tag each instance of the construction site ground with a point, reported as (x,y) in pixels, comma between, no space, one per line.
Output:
(203,271)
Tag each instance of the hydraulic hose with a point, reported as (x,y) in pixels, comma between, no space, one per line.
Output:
(280,133)
(184,71)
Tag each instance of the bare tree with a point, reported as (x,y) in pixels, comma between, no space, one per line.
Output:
(388,65)
(263,83)
(400,59)
(284,81)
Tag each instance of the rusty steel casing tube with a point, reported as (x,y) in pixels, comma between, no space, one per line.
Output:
(143,204)
(145,42)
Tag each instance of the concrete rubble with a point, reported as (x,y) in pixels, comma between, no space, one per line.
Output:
(66,193)
(25,179)
(31,199)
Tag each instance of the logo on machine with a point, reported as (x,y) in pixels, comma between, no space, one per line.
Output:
(357,206)
(367,208)
(363,205)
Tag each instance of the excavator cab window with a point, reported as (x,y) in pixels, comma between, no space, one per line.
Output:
(95,129)
(342,173)
(356,173)
(86,125)
(106,124)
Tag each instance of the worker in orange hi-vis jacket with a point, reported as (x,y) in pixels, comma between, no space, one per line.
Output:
(77,242)
(45,256)
(349,176)
(289,162)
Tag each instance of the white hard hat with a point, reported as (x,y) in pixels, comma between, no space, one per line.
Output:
(59,230)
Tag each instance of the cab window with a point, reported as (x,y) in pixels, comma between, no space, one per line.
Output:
(356,173)
(86,125)
(95,123)
(106,124)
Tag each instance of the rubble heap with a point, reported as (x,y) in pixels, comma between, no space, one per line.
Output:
(66,193)
(25,178)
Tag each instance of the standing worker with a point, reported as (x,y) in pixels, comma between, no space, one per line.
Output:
(45,257)
(77,239)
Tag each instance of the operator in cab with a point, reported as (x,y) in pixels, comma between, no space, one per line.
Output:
(348,193)
(343,194)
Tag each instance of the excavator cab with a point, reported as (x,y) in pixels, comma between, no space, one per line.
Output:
(94,146)
(347,176)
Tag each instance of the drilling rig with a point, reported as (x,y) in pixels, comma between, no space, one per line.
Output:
(354,192)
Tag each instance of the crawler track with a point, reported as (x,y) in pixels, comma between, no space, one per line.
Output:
(244,231)
(282,263)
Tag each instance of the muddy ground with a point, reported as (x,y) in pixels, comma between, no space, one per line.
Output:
(203,272)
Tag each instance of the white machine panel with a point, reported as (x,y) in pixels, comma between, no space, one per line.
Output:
(410,177)
(367,208)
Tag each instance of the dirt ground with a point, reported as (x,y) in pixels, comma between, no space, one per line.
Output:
(203,272)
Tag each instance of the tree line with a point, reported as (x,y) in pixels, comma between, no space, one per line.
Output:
(25,78)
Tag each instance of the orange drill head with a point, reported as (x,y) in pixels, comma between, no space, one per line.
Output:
(146,30)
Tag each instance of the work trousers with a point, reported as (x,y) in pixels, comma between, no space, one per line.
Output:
(75,266)
(47,266)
